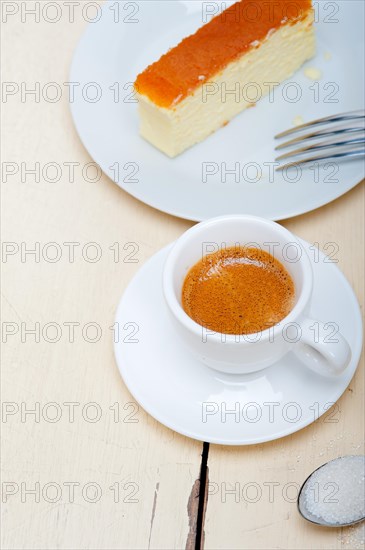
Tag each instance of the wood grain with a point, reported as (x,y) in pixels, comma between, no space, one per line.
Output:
(276,469)
(154,469)
(143,457)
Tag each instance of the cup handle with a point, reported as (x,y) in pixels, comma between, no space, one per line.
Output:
(328,356)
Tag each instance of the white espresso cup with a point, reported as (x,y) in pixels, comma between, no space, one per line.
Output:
(298,332)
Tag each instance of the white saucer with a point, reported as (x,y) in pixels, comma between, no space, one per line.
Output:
(111,54)
(172,386)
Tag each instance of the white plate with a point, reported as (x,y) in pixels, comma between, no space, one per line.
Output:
(180,392)
(111,54)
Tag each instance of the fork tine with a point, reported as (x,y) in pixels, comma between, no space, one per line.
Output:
(320,134)
(353,115)
(321,146)
(348,154)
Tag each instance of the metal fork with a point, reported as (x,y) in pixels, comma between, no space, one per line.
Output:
(341,136)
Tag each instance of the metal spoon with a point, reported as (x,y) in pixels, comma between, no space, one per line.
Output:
(353,461)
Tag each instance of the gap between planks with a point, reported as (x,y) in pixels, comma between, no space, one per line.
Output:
(197,504)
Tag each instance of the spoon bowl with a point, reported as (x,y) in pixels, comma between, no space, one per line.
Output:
(357,465)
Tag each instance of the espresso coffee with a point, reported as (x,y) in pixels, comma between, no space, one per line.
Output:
(238,290)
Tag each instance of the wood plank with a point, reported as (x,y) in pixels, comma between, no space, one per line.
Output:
(142,457)
(278,468)
(154,469)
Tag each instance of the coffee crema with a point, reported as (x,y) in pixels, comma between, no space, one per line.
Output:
(238,290)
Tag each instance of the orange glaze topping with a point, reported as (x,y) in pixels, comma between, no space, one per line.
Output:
(207,52)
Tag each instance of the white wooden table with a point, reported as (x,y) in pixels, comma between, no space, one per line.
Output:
(88,469)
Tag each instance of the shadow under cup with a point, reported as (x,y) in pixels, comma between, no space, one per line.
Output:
(237,353)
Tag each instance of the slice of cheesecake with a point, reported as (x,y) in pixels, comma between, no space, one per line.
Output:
(226,66)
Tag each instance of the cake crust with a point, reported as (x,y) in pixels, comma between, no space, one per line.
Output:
(201,56)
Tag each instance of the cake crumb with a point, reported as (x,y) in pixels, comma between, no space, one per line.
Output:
(298,121)
(327,56)
(312,73)
(177,99)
